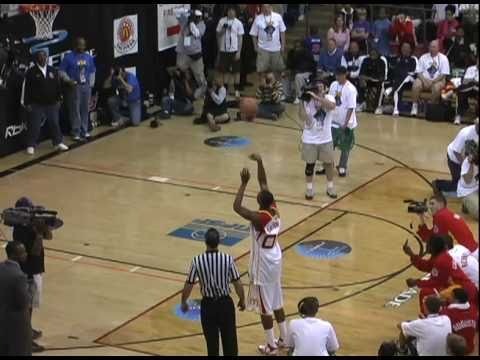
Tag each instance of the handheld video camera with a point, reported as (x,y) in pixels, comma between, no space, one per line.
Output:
(471,148)
(31,216)
(417,207)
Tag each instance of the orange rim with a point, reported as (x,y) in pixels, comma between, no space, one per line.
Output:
(30,8)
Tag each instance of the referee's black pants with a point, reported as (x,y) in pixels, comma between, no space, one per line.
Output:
(218,315)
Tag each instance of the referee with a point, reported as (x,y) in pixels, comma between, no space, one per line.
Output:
(215,271)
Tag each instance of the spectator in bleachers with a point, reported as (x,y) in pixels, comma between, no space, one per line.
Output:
(352,60)
(179,97)
(314,43)
(468,89)
(430,332)
(463,318)
(373,74)
(348,12)
(457,50)
(330,60)
(439,12)
(215,110)
(361,30)
(433,68)
(456,345)
(381,32)
(403,30)
(340,33)
(301,66)
(401,74)
(447,28)
(269,94)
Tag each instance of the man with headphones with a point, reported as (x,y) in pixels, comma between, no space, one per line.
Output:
(310,336)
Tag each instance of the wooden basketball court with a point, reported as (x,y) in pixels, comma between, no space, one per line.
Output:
(114,274)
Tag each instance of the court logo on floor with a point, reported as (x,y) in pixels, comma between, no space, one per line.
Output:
(230,234)
(323,249)
(193,313)
(227,141)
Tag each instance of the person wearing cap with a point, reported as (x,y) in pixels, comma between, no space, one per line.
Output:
(41,97)
(32,238)
(344,120)
(310,336)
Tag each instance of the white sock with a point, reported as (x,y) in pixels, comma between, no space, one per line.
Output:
(283,330)
(270,336)
(309,186)
(329,184)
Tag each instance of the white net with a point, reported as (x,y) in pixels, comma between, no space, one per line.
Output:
(44,15)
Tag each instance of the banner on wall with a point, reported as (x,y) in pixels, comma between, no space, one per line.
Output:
(125,35)
(168,26)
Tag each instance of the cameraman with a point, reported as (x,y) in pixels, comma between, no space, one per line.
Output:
(468,183)
(215,110)
(32,238)
(128,88)
(445,222)
(316,111)
(189,47)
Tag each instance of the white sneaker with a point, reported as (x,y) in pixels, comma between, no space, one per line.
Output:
(61,147)
(396,113)
(88,136)
(281,344)
(267,350)
(296,101)
(360,107)
(458,120)
(30,150)
(414,111)
(378,111)
(301,18)
(388,91)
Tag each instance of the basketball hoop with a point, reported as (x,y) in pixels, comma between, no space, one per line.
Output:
(44,15)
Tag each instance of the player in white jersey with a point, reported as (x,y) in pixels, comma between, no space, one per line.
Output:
(265,270)
(463,257)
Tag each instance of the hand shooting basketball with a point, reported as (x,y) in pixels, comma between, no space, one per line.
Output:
(255,157)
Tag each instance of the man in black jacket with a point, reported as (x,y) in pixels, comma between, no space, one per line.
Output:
(301,64)
(15,329)
(41,97)
(373,73)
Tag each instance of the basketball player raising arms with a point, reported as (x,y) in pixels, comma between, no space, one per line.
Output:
(265,269)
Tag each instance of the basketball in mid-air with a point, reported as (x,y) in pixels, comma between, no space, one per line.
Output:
(248,108)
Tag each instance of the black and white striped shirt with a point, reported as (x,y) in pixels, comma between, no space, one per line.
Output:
(215,270)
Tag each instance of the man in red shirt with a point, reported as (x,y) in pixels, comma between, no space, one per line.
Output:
(463,317)
(445,222)
(444,273)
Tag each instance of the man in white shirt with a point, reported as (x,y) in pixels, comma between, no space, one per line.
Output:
(344,119)
(456,156)
(230,39)
(268,34)
(432,69)
(464,258)
(310,336)
(430,333)
(468,89)
(316,110)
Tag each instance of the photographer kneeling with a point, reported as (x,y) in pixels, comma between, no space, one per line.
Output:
(32,237)
(215,110)
(315,110)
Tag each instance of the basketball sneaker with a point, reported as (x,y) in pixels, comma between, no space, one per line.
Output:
(331,193)
(30,150)
(267,350)
(458,120)
(281,344)
(309,194)
(414,111)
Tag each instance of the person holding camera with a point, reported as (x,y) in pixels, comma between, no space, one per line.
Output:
(15,328)
(468,183)
(189,47)
(41,97)
(310,336)
(215,109)
(32,237)
(127,94)
(446,222)
(270,93)
(178,98)
(230,41)
(316,110)
(78,71)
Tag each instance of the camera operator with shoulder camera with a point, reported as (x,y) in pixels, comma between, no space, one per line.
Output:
(468,183)
(32,237)
(446,222)
(315,110)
